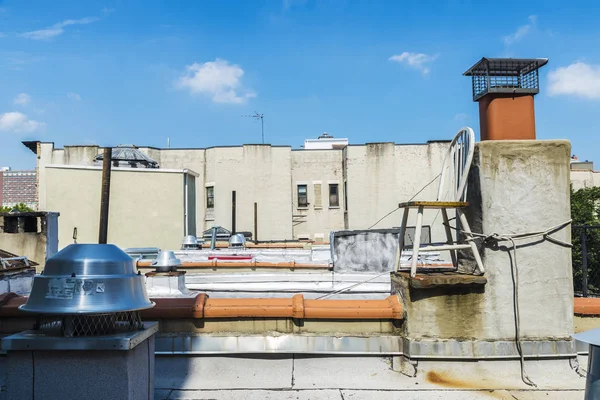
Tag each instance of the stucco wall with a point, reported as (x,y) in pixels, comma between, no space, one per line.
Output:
(258,173)
(381,175)
(28,244)
(311,168)
(146,207)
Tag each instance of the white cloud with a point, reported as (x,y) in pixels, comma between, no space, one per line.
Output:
(521,31)
(578,79)
(17,122)
(74,96)
(2,35)
(218,79)
(57,29)
(107,10)
(418,61)
(22,99)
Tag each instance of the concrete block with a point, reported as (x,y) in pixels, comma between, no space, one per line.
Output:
(256,395)
(116,375)
(206,372)
(425,394)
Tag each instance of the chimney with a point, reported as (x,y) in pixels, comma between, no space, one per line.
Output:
(504,88)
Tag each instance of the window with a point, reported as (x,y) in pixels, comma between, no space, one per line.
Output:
(210,197)
(302,196)
(334,199)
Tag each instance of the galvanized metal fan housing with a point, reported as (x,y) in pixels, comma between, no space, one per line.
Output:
(88,279)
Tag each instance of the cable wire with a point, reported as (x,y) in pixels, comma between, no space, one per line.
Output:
(415,195)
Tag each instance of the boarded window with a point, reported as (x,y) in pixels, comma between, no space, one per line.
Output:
(334,198)
(318,196)
(302,196)
(210,197)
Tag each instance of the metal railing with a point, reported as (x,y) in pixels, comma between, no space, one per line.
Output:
(586,260)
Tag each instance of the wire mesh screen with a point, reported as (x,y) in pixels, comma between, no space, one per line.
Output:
(90,324)
(504,76)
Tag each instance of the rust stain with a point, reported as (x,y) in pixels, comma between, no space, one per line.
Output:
(446,380)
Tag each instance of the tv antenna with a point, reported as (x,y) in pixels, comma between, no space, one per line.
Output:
(257,116)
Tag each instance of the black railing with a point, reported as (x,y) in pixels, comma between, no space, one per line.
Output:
(586,260)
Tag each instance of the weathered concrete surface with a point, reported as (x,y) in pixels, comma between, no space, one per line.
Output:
(274,372)
(328,394)
(360,378)
(441,312)
(514,187)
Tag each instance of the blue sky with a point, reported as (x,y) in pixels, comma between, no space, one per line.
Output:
(112,72)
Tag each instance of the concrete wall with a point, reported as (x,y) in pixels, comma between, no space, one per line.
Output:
(317,169)
(524,187)
(381,175)
(146,206)
(515,187)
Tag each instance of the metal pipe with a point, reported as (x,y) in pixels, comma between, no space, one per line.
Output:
(584,277)
(255,222)
(213,237)
(233,212)
(215,263)
(104,201)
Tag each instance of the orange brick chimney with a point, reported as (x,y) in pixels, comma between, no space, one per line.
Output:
(504,88)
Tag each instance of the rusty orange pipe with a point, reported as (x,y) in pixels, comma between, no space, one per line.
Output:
(282,245)
(295,307)
(586,306)
(214,263)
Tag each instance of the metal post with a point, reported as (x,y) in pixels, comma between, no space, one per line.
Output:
(255,222)
(584,278)
(233,212)
(106,168)
(213,237)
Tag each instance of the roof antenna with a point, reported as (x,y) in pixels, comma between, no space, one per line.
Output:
(256,115)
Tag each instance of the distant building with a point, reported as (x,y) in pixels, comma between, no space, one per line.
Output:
(18,187)
(583,174)
(300,194)
(325,142)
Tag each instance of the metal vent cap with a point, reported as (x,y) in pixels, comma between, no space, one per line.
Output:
(88,279)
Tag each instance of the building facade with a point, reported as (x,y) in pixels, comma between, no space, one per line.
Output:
(18,187)
(298,194)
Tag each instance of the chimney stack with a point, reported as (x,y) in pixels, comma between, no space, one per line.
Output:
(504,88)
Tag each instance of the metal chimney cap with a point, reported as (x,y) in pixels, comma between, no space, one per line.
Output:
(88,279)
(166,261)
(237,240)
(190,240)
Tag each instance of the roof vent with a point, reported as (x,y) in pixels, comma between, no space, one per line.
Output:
(128,155)
(88,290)
(325,135)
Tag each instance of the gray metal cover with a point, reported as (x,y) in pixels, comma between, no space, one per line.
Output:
(88,279)
(237,240)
